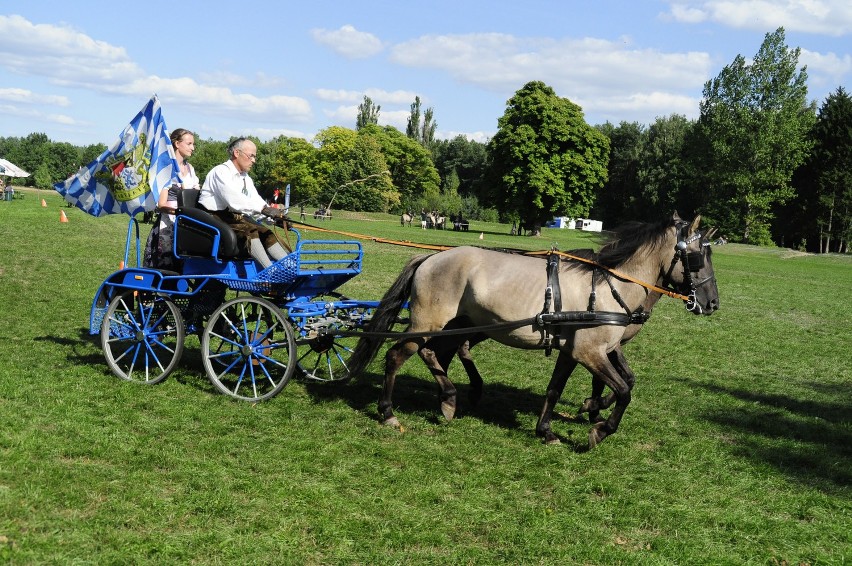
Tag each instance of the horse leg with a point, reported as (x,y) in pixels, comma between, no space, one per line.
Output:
(395,357)
(565,364)
(448,390)
(595,404)
(444,355)
(463,352)
(602,369)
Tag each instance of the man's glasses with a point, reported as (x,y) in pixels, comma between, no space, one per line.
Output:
(249,155)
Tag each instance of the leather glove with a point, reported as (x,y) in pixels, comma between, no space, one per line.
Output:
(271,212)
(277,215)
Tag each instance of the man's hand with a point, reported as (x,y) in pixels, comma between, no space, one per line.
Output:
(277,215)
(271,212)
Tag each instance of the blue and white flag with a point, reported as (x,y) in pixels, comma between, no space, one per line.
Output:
(128,177)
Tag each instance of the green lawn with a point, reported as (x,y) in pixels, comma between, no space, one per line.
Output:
(736,449)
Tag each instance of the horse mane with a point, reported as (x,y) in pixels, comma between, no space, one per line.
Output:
(623,242)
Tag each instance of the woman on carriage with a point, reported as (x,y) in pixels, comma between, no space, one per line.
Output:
(158,250)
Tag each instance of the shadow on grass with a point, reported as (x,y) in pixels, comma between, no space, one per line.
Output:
(809,440)
(501,405)
(83,350)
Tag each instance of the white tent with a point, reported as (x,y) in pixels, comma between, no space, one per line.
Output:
(8,169)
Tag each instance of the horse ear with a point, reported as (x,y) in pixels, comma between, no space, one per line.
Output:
(694,226)
(675,217)
(710,233)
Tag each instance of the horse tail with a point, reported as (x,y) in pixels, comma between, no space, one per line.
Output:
(384,316)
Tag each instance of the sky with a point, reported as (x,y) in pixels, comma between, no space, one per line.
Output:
(80,71)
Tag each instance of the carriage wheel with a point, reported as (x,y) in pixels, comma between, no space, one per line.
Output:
(142,336)
(326,357)
(248,349)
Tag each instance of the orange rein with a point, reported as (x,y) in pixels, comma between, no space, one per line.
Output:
(614,272)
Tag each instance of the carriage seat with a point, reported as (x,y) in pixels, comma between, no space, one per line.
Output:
(200,234)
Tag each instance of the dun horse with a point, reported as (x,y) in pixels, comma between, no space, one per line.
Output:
(406,218)
(499,296)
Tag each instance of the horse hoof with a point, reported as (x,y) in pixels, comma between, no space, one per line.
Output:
(552,440)
(392,422)
(448,410)
(596,436)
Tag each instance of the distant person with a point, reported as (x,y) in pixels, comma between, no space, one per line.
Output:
(159,249)
(229,193)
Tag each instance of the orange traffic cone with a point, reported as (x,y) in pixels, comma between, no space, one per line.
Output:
(121,265)
(44,204)
(62,217)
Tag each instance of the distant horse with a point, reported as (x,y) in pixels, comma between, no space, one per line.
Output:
(437,221)
(460,224)
(322,214)
(406,218)
(475,288)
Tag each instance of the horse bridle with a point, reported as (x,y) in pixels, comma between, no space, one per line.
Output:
(692,262)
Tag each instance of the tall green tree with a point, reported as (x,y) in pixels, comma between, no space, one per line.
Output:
(466,159)
(427,131)
(663,171)
(412,129)
(410,165)
(294,162)
(545,159)
(621,196)
(820,218)
(368,113)
(361,181)
(423,133)
(833,167)
(754,120)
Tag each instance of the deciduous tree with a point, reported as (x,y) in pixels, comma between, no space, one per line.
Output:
(754,119)
(545,159)
(368,113)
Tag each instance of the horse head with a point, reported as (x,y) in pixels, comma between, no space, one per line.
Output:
(691,268)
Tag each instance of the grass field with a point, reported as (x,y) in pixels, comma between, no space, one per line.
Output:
(736,449)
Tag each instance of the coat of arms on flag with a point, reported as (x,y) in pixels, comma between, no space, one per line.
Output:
(128,177)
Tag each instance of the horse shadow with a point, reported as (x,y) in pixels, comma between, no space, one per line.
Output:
(83,350)
(802,438)
(504,406)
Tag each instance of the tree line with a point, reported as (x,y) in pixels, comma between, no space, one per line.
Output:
(761,162)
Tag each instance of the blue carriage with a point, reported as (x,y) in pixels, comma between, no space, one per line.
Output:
(258,327)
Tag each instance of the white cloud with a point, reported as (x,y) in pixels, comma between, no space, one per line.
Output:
(67,57)
(586,70)
(348,42)
(61,54)
(828,17)
(24,96)
(481,137)
(36,115)
(825,71)
(378,96)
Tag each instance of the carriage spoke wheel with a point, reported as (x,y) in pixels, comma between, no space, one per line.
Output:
(142,336)
(325,357)
(248,349)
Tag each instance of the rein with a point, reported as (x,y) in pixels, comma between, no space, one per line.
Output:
(547,319)
(618,274)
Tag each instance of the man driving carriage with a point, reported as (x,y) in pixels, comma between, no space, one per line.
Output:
(229,193)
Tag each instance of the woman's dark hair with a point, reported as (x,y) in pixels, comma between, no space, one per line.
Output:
(176,135)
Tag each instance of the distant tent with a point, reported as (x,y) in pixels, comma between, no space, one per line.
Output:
(8,169)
